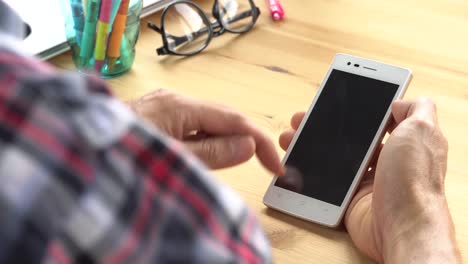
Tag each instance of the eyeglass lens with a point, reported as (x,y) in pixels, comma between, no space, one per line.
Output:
(185,29)
(236,15)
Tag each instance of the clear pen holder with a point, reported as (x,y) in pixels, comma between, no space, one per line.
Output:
(102,34)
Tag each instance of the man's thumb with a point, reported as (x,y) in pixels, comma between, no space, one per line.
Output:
(223,151)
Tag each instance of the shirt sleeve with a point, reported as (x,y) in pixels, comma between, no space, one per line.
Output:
(84,181)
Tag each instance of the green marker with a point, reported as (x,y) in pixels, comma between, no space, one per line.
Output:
(89,32)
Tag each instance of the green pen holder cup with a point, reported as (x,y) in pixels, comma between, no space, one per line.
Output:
(101,42)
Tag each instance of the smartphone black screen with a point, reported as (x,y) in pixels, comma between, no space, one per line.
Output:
(337,136)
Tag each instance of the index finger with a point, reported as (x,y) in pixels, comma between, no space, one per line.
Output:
(220,120)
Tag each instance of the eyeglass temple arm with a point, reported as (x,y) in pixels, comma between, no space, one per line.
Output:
(153,27)
(216,24)
(162,50)
(180,40)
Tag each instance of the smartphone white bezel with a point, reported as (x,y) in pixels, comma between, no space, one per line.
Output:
(316,210)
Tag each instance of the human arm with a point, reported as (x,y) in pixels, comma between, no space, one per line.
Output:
(84,180)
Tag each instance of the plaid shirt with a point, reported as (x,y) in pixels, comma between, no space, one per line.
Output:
(82,180)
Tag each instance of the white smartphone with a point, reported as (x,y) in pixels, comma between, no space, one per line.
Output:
(337,138)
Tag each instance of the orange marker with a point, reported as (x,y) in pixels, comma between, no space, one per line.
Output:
(118,29)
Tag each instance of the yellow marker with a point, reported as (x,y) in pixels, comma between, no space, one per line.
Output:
(102,31)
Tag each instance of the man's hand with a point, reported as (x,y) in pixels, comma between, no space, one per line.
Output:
(218,135)
(401,214)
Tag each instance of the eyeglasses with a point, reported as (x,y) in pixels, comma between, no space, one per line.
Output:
(186,29)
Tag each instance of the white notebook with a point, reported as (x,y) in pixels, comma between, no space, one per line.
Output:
(47,38)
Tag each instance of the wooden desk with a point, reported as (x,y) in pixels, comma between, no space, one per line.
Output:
(274,71)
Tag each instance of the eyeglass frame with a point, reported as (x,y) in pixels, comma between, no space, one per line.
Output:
(165,50)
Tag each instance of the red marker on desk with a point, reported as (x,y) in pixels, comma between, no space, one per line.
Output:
(276,10)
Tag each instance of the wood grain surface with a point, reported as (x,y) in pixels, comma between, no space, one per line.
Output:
(274,70)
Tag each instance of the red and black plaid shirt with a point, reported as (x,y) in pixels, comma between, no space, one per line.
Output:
(82,180)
